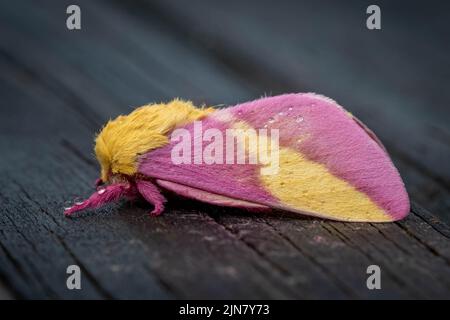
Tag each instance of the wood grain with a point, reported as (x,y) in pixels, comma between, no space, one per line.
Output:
(58,87)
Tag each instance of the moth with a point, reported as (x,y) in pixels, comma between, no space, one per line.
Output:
(328,163)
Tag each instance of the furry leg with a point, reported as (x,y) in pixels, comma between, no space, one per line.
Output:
(107,194)
(151,193)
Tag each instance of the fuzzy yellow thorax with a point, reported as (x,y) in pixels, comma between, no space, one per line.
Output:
(123,139)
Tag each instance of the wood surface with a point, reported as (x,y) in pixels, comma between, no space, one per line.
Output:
(57,88)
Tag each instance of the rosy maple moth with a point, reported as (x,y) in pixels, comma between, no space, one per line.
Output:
(297,152)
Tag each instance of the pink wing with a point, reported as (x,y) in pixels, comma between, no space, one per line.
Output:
(331,165)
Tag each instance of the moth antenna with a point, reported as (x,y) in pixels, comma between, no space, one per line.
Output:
(101,197)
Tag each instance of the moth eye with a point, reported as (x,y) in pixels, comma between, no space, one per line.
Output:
(99,182)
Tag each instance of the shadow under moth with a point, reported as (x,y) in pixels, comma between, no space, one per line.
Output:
(328,164)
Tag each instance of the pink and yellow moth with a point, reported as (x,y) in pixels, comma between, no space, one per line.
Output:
(329,164)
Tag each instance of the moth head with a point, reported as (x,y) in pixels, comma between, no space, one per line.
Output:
(124,139)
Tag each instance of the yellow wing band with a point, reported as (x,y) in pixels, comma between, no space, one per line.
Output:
(307,186)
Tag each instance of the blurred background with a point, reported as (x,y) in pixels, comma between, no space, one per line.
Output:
(58,86)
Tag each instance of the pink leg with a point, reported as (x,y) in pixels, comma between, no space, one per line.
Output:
(102,196)
(151,193)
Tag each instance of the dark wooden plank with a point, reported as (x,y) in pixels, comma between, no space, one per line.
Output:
(342,251)
(56,98)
